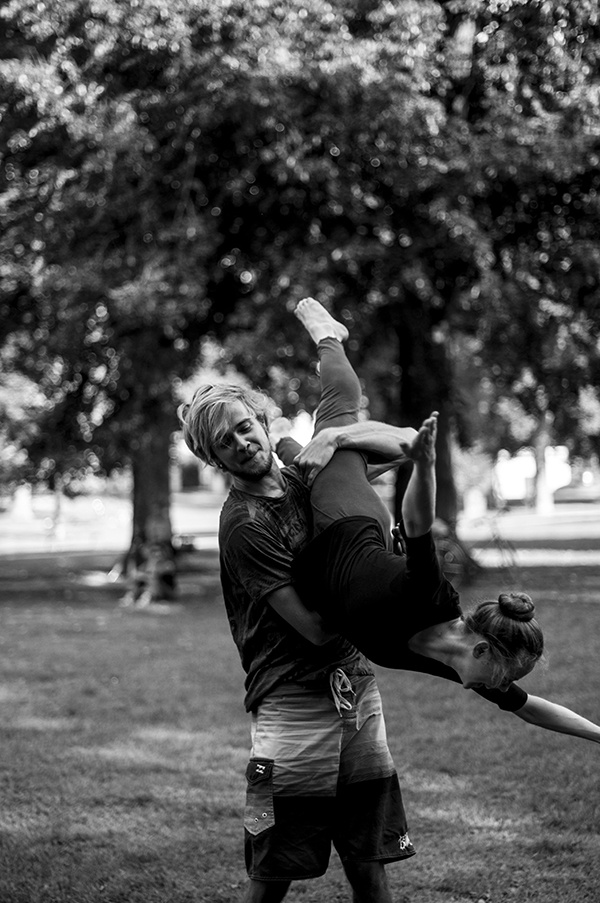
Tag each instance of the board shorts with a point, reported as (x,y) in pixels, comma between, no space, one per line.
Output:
(321,773)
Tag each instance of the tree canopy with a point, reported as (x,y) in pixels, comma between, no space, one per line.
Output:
(429,169)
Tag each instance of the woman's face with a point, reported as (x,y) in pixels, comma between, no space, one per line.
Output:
(483,669)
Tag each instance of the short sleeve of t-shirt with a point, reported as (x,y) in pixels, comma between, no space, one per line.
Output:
(510,701)
(260,562)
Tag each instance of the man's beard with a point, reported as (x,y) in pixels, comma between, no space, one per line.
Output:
(255,476)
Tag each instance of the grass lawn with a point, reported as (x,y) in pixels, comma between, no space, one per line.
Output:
(124,743)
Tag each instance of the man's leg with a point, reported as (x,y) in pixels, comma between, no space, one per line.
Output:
(292,783)
(266,891)
(368,881)
(371,828)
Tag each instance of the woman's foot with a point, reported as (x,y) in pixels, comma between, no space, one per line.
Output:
(422,448)
(318,322)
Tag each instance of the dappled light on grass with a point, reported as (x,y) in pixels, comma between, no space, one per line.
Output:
(434,781)
(44,725)
(475,816)
(128,755)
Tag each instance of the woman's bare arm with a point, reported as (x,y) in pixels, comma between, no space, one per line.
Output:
(418,504)
(554,717)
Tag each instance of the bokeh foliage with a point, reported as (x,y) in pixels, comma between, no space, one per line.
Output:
(429,169)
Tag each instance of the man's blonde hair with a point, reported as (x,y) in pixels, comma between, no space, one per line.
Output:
(204,420)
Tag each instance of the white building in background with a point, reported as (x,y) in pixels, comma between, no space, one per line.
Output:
(515,474)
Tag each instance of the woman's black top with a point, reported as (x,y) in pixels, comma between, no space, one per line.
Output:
(379,600)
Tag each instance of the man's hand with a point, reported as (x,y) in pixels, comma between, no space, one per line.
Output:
(317,454)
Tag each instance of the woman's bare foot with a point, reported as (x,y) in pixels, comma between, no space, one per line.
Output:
(318,322)
(422,448)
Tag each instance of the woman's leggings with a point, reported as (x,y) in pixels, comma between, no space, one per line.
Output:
(342,488)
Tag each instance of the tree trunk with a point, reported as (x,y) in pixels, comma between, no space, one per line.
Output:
(544,500)
(446,507)
(150,563)
(426,386)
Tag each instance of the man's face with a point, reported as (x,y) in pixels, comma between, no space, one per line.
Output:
(244,450)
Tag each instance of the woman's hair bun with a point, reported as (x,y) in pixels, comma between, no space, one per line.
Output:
(517,606)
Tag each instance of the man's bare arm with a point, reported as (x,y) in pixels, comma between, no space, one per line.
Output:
(287,449)
(376,470)
(367,436)
(309,624)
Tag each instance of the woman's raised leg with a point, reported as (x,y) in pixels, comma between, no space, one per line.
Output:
(340,386)
(342,488)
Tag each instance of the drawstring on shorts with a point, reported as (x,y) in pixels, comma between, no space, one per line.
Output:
(340,683)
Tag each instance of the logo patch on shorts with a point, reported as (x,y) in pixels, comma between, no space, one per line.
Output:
(259,770)
(405,845)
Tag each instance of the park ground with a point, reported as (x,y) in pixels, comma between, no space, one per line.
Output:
(124,743)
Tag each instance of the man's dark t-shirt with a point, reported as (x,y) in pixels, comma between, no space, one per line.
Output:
(380,600)
(258,539)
